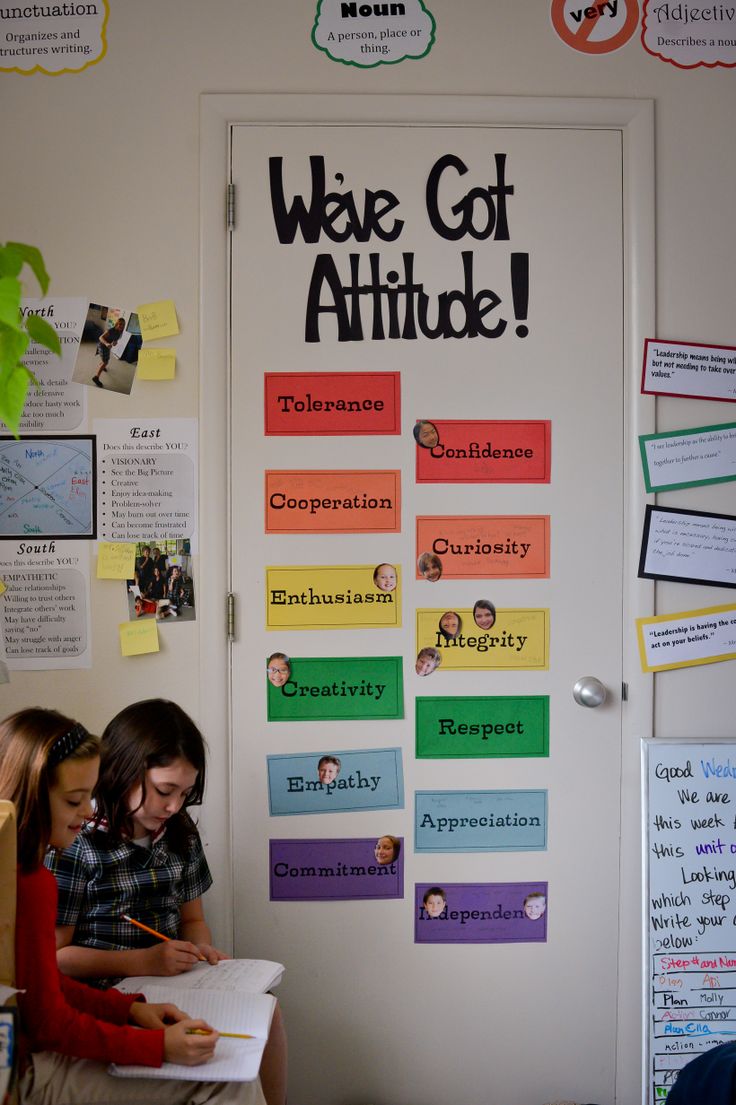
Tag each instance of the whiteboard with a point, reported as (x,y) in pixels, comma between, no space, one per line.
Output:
(690,903)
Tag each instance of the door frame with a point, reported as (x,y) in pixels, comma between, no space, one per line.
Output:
(634,119)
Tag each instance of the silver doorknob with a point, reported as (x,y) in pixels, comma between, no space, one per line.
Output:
(589,691)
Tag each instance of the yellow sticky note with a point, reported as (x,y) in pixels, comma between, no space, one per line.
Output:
(158,320)
(157,364)
(115,560)
(3,588)
(137,638)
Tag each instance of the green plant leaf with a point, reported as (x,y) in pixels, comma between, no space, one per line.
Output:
(12,398)
(32,257)
(10,302)
(11,261)
(44,333)
(13,344)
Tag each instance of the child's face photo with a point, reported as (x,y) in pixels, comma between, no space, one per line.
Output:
(327,772)
(434,905)
(427,435)
(385,577)
(425,665)
(450,623)
(384,850)
(484,618)
(535,907)
(278,672)
(432,571)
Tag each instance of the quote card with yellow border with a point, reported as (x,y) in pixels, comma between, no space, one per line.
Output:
(517,640)
(687,639)
(333,597)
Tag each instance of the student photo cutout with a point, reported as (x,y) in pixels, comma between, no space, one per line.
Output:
(430,566)
(484,614)
(434,901)
(384,577)
(534,906)
(450,625)
(427,660)
(426,434)
(278,669)
(328,769)
(387,849)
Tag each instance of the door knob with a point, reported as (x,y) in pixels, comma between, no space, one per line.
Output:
(589,691)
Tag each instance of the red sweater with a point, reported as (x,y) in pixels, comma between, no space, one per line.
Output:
(59,1013)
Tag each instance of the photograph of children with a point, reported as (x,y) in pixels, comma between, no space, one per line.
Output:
(278,669)
(162,586)
(328,769)
(430,566)
(484,614)
(434,901)
(108,351)
(425,434)
(387,849)
(428,659)
(450,625)
(384,577)
(534,906)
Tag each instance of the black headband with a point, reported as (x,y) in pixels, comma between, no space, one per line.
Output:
(67,743)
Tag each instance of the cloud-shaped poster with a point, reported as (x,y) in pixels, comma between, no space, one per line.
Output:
(368,35)
(53,38)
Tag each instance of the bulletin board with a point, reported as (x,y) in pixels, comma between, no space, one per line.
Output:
(690,904)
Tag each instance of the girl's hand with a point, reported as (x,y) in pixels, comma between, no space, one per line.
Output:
(184,1045)
(170,957)
(150,1015)
(212,955)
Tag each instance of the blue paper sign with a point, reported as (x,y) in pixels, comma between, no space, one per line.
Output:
(333,782)
(481,820)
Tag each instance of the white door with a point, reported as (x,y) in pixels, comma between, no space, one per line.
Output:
(372,1016)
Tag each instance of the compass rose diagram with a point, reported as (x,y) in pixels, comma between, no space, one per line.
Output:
(46,487)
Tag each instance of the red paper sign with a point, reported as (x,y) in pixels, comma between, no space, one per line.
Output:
(332,403)
(487,452)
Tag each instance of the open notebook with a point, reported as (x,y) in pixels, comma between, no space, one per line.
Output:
(248,976)
(227,1011)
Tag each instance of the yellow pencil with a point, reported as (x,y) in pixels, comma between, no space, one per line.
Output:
(153,932)
(232,1035)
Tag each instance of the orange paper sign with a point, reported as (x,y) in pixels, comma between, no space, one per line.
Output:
(511,546)
(333,502)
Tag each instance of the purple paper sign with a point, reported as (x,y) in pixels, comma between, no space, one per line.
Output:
(480,913)
(334,870)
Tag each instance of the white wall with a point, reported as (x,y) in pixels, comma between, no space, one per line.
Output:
(100,170)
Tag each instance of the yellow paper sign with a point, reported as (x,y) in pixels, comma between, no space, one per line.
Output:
(136,638)
(115,560)
(158,320)
(3,588)
(157,364)
(517,640)
(335,597)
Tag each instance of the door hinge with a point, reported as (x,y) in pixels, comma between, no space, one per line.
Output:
(231,207)
(624,692)
(230,617)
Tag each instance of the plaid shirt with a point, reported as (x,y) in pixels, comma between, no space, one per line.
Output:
(99,881)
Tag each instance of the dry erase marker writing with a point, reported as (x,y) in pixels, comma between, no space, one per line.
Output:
(231,1035)
(153,932)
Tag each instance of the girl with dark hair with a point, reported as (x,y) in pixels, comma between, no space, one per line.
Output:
(141,855)
(70,1032)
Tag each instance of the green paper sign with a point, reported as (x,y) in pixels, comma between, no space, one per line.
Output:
(498,725)
(339,688)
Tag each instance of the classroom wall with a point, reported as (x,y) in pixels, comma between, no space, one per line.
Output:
(100,169)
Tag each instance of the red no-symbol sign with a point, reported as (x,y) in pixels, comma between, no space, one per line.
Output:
(595,28)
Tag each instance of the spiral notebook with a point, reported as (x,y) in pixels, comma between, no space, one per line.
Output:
(227,1011)
(250,976)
